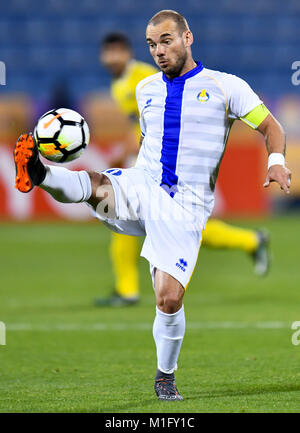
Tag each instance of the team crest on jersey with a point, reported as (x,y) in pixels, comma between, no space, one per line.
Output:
(203,96)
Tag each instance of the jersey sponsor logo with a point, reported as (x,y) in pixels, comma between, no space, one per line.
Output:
(203,96)
(148,102)
(114,171)
(182,264)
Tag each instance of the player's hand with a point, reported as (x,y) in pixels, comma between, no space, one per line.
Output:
(280,174)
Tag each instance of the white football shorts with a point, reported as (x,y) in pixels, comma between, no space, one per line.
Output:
(144,208)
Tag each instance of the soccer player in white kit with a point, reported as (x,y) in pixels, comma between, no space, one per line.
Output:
(186,112)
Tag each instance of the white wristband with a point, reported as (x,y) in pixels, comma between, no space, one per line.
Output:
(276,159)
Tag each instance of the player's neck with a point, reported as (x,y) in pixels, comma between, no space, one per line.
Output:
(188,66)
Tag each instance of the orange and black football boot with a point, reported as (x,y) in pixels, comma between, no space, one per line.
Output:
(29,169)
(165,387)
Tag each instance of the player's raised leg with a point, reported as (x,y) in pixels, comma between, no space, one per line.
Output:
(29,169)
(64,185)
(168,333)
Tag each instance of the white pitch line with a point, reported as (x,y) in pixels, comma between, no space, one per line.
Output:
(144,326)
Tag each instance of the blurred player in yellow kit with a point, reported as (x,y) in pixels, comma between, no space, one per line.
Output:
(117,56)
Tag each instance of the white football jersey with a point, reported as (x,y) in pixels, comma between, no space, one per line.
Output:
(185,123)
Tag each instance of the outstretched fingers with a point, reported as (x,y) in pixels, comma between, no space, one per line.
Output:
(280,174)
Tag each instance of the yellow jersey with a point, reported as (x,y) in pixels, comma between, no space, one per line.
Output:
(123,89)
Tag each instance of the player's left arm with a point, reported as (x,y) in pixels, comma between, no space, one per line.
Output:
(244,104)
(263,121)
(276,146)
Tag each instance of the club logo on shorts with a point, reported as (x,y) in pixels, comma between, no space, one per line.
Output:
(114,171)
(203,96)
(182,264)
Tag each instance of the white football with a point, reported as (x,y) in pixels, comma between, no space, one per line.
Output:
(62,135)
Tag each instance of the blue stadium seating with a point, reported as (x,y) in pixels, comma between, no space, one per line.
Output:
(42,43)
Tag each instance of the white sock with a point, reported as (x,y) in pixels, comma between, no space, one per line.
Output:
(67,186)
(168,333)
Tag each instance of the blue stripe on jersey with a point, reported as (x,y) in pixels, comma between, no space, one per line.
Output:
(172,125)
(170,140)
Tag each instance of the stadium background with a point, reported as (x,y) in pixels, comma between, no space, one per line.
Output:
(51,57)
(62,353)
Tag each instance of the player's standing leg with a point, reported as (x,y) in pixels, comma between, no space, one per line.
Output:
(168,333)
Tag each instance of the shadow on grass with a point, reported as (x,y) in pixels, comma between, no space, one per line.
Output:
(133,405)
(251,390)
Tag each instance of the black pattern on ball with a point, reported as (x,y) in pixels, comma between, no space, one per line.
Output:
(55,139)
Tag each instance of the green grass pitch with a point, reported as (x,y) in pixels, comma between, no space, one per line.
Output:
(64,355)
